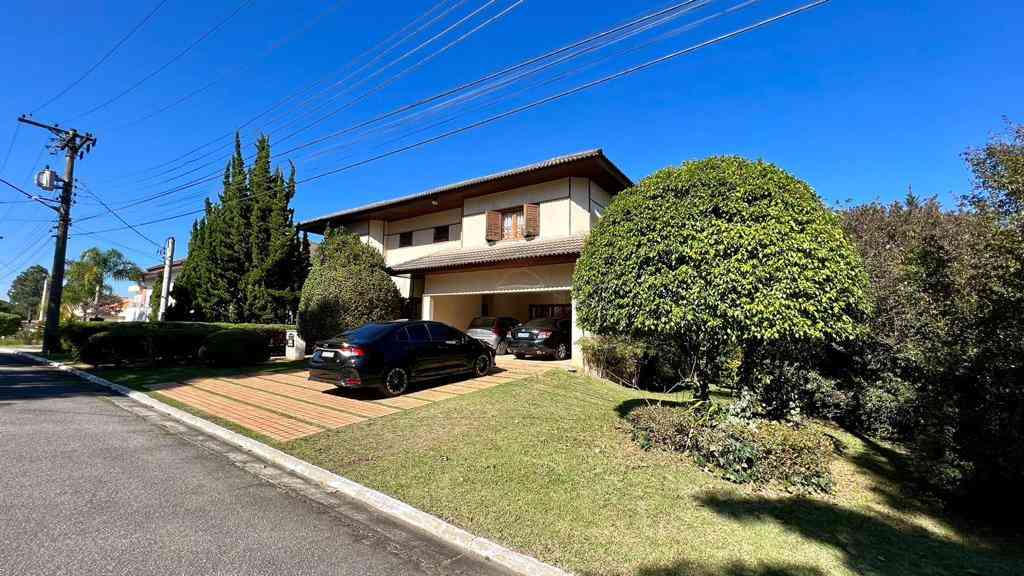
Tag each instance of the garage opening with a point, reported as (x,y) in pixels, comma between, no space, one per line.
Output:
(459,310)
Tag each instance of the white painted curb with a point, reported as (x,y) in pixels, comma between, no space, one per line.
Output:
(514,561)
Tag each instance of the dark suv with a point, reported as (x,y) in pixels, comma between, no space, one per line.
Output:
(392,355)
(542,337)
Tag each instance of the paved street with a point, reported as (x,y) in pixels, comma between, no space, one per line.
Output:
(92,483)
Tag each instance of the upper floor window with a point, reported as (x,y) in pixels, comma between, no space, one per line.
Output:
(405,239)
(441,233)
(512,224)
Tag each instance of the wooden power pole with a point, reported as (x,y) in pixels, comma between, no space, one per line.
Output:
(74,145)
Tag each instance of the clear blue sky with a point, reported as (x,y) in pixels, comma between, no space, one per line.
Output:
(859,98)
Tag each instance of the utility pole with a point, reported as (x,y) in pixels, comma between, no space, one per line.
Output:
(74,145)
(43,298)
(165,286)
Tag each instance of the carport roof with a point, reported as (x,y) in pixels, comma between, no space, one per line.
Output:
(502,252)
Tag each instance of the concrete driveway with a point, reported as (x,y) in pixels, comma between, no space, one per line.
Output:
(284,406)
(92,483)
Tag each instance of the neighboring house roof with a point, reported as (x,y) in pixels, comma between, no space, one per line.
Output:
(590,163)
(518,250)
(154,271)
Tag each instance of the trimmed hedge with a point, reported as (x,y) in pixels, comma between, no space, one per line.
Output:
(9,323)
(151,342)
(743,451)
(234,348)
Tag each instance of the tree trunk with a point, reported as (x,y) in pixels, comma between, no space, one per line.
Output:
(703,390)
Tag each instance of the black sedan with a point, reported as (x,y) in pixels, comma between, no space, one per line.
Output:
(392,355)
(542,337)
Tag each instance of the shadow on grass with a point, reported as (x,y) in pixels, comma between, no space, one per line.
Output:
(628,406)
(868,543)
(684,568)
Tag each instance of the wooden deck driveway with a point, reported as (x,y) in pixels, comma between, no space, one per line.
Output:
(285,405)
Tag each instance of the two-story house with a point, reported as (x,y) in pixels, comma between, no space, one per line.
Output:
(498,245)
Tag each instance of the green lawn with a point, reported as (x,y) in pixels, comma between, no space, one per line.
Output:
(545,465)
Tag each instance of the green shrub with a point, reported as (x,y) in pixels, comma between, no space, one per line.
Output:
(234,348)
(346,288)
(742,451)
(617,358)
(9,323)
(719,252)
(785,390)
(150,342)
(887,407)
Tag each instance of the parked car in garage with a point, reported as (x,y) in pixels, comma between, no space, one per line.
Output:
(493,331)
(393,355)
(550,337)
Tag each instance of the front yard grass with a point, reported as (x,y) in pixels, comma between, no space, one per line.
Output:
(545,465)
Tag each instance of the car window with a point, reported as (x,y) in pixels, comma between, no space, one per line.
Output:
(367,333)
(417,333)
(540,323)
(482,322)
(442,332)
(401,335)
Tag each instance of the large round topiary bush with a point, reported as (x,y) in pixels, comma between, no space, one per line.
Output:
(719,252)
(346,288)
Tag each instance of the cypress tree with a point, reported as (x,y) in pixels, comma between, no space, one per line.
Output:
(246,262)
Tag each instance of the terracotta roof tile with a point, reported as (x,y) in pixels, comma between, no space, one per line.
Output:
(500,252)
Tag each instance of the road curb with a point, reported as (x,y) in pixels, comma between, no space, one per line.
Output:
(509,559)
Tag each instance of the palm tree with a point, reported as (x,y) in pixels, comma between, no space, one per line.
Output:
(88,275)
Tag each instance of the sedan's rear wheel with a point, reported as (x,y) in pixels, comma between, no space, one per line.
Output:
(482,365)
(396,382)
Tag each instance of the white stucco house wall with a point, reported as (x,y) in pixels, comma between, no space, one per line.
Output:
(505,244)
(137,309)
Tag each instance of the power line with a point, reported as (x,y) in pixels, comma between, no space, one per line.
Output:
(32,197)
(537,103)
(693,4)
(284,41)
(575,90)
(37,235)
(104,58)
(118,216)
(10,147)
(166,64)
(299,92)
(347,77)
(217,174)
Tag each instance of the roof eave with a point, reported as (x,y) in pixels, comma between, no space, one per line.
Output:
(484,185)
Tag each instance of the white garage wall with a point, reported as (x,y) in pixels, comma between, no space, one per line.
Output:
(457,311)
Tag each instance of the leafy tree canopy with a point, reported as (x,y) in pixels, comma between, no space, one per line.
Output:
(26,291)
(86,287)
(717,251)
(998,169)
(346,288)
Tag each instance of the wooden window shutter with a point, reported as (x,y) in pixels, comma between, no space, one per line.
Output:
(493,226)
(532,214)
